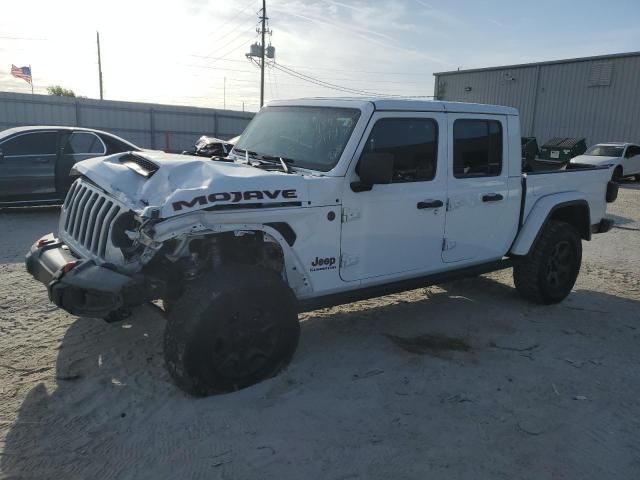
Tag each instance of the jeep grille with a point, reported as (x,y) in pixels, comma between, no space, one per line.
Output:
(86,219)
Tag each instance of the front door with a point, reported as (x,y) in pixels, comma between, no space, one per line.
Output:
(481,221)
(27,165)
(396,229)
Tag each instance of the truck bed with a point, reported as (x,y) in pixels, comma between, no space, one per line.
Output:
(588,180)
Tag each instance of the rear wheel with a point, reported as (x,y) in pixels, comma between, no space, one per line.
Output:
(230,330)
(548,273)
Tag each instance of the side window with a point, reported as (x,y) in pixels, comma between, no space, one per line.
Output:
(114,146)
(83,143)
(632,151)
(413,142)
(40,143)
(477,148)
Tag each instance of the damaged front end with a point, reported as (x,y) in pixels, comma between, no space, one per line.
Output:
(95,267)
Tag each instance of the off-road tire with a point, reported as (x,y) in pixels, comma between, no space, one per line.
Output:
(617,174)
(230,330)
(548,273)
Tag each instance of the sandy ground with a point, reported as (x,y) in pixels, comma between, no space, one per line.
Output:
(544,393)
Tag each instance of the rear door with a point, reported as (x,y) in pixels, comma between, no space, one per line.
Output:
(27,164)
(631,162)
(396,229)
(76,147)
(480,220)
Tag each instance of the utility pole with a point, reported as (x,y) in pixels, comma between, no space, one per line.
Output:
(264,20)
(259,53)
(99,64)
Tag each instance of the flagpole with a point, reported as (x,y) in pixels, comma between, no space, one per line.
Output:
(31,71)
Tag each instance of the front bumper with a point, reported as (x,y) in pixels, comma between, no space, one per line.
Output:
(80,286)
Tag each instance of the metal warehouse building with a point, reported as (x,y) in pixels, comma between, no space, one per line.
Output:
(597,98)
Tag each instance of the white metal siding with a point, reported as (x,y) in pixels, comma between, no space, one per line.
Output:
(596,99)
(146,125)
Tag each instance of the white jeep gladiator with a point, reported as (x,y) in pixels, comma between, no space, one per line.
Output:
(321,202)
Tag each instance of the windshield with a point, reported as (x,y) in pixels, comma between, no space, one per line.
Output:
(307,137)
(605,151)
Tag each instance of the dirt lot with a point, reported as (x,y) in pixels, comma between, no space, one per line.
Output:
(543,393)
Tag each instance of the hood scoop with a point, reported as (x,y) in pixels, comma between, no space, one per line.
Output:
(139,164)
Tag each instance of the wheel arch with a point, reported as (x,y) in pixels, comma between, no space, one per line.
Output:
(568,208)
(278,232)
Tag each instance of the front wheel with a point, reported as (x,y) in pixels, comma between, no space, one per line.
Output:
(548,273)
(230,330)
(617,174)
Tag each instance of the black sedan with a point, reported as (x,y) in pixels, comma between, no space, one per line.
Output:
(35,161)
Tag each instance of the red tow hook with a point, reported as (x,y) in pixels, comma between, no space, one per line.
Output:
(44,241)
(70,266)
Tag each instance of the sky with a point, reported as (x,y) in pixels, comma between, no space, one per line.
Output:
(181,52)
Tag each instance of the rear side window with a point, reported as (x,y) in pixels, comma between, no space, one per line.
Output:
(632,151)
(39,143)
(477,148)
(413,142)
(83,143)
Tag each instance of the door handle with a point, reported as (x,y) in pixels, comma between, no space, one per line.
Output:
(430,204)
(492,197)
(41,160)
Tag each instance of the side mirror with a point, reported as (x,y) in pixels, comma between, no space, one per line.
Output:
(373,169)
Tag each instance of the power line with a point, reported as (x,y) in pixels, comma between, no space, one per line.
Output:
(244,62)
(341,88)
(318,82)
(235,48)
(342,70)
(244,32)
(275,80)
(228,23)
(217,68)
(23,38)
(270,83)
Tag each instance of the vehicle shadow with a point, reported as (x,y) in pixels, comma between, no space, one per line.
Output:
(113,412)
(618,220)
(629,184)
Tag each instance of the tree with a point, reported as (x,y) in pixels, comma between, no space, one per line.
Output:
(59,91)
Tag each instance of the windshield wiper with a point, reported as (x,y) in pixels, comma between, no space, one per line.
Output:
(284,161)
(273,157)
(245,152)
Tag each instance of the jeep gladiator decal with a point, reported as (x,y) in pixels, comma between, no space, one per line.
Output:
(235,197)
(323,264)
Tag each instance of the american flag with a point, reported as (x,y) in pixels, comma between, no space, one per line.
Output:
(21,72)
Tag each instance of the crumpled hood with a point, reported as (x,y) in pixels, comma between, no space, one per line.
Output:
(184,183)
(594,159)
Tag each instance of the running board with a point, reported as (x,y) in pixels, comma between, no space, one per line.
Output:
(325,301)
